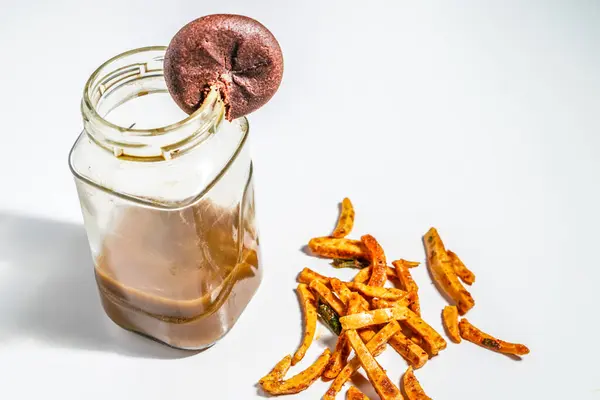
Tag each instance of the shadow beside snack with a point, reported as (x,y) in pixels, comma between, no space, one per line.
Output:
(50,295)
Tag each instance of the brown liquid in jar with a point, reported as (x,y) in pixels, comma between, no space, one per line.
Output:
(182,277)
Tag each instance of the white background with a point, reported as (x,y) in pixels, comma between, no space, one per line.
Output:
(480,118)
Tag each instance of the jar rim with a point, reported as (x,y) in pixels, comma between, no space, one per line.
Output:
(144,64)
(149,145)
(91,108)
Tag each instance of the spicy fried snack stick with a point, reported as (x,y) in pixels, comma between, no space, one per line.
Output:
(443,273)
(474,335)
(346,220)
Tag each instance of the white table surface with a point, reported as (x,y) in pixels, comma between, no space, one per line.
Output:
(480,118)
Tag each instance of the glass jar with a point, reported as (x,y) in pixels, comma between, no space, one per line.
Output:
(169,211)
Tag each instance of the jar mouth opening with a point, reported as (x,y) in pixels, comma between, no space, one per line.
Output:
(93,85)
(124,81)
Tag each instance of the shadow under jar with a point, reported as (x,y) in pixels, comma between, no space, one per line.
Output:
(169,212)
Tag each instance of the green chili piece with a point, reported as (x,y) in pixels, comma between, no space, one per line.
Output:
(348,263)
(490,343)
(330,317)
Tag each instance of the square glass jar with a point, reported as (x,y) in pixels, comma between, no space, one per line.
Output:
(168,205)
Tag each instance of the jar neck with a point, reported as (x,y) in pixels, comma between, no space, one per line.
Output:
(126,78)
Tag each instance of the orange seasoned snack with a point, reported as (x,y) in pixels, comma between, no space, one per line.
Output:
(309,307)
(450,320)
(412,387)
(443,273)
(368,313)
(474,335)
(346,220)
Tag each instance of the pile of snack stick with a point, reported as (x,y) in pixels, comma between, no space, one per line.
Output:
(367,316)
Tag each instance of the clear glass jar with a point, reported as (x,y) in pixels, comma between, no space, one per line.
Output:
(169,212)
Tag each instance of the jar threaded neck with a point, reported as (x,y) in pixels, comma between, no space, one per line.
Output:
(131,75)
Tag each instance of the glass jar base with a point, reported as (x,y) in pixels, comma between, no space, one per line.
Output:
(146,336)
(192,334)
